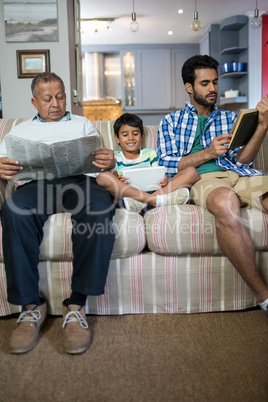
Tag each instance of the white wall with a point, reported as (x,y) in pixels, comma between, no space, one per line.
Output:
(16,92)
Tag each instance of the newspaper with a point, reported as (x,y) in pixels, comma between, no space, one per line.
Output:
(60,159)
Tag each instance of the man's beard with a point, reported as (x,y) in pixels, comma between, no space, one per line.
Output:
(201,100)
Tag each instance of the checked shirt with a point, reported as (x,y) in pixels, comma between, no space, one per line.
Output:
(176,136)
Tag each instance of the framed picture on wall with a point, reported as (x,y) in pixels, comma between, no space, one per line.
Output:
(31,21)
(32,62)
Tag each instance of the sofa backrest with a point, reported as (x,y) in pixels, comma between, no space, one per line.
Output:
(105,128)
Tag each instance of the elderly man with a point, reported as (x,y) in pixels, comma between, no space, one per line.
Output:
(198,136)
(23,217)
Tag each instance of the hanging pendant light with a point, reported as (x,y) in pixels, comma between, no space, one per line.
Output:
(256,22)
(134,26)
(196,25)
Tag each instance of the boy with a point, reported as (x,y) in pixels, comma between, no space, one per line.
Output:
(129,134)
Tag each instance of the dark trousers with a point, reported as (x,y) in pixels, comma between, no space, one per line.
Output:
(23,216)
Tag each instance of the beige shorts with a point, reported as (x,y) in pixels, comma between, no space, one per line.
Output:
(248,189)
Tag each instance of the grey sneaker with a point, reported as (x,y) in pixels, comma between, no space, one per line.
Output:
(178,197)
(133,205)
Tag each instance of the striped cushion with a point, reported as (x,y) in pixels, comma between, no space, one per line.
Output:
(183,229)
(57,245)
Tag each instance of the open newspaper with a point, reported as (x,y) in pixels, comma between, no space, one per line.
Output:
(60,159)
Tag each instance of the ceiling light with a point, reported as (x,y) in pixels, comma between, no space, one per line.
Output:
(196,25)
(110,27)
(256,22)
(170,32)
(180,11)
(134,26)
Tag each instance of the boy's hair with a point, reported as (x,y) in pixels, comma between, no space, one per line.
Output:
(44,78)
(196,63)
(128,119)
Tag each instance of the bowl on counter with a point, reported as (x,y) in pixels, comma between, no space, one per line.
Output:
(232,93)
(233,67)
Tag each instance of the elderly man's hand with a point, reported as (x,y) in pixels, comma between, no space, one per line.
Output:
(9,168)
(104,159)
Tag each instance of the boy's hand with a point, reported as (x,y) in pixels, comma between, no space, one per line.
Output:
(164,181)
(104,158)
(123,179)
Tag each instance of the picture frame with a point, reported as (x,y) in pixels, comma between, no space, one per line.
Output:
(32,62)
(31,21)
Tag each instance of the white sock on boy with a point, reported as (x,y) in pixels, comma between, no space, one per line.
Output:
(161,200)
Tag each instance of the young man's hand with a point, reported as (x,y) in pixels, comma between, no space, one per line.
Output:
(219,145)
(262,107)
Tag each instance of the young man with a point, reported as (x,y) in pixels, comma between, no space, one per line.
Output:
(198,136)
(23,217)
(129,134)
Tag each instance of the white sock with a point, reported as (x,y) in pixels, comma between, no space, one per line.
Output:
(161,200)
(264,305)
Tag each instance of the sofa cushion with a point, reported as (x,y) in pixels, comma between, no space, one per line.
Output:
(128,228)
(189,229)
(57,244)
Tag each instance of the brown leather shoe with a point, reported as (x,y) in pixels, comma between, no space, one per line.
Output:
(25,333)
(76,335)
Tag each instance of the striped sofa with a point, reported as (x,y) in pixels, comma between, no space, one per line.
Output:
(167,262)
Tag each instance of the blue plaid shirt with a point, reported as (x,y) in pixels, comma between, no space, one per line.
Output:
(176,136)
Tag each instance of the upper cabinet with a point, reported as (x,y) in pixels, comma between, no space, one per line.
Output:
(233,58)
(154,71)
(151,78)
(129,78)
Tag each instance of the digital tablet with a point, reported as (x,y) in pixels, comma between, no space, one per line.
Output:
(145,178)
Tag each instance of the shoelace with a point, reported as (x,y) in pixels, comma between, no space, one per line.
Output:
(35,315)
(78,317)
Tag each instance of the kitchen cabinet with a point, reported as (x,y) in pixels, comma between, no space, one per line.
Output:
(152,78)
(233,47)
(129,80)
(146,79)
(154,70)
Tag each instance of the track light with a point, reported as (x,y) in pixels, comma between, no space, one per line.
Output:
(110,26)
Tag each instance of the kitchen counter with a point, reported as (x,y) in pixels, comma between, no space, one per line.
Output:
(102,109)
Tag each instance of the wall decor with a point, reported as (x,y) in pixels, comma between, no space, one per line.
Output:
(32,62)
(31,21)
